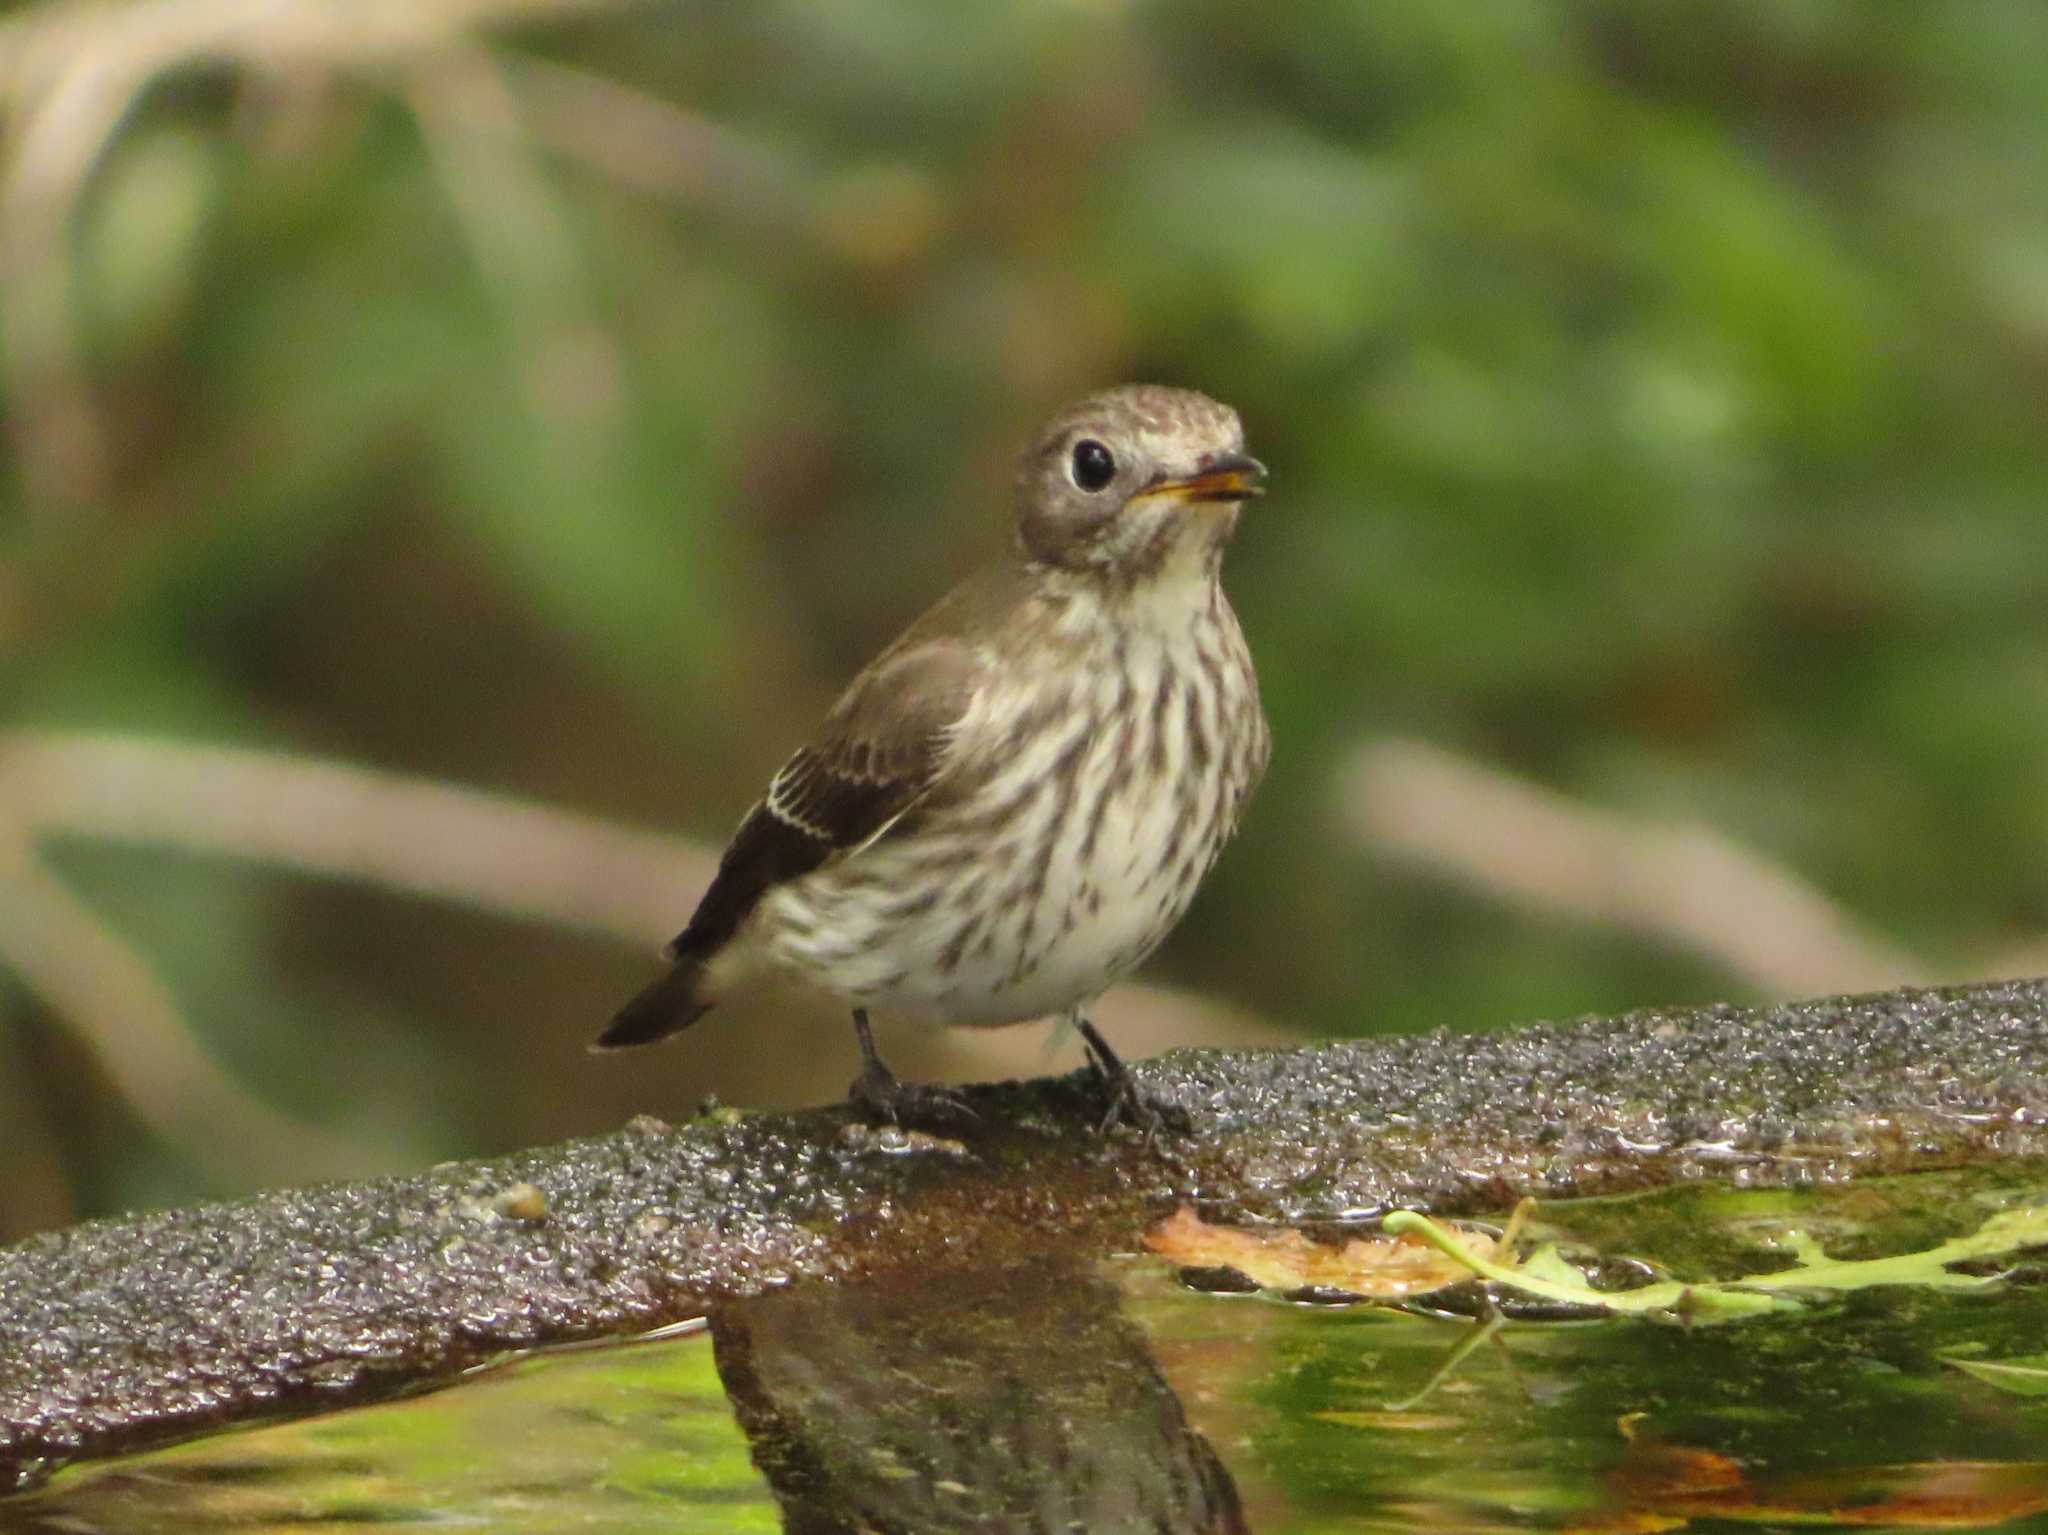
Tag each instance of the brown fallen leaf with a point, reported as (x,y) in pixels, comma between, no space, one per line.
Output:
(1379,1266)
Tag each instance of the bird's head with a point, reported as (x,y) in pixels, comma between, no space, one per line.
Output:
(1136,484)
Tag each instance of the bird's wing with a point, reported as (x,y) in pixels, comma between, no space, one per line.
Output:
(884,745)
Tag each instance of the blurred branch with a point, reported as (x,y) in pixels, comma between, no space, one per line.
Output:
(506,855)
(132,1023)
(59,131)
(34,1193)
(650,145)
(500,197)
(465,845)
(142,39)
(70,74)
(352,823)
(1143,1020)
(1682,884)
(519,234)
(517,858)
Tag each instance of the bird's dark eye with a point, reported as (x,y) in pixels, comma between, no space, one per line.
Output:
(1093,465)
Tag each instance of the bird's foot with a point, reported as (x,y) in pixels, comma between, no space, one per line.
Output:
(883,1096)
(1150,1116)
(1129,1103)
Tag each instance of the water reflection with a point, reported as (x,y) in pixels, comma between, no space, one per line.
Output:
(984,1401)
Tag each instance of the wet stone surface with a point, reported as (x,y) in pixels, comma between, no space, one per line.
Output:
(1808,1092)
(131,1331)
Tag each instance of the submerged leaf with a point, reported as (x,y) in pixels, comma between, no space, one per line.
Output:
(1544,1276)
(1385,1267)
(2026,1375)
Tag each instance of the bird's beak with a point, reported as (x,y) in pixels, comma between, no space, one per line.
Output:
(1230,477)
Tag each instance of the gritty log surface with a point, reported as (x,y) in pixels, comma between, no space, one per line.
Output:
(131,1331)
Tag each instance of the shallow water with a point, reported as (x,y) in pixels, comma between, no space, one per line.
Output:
(1109,1396)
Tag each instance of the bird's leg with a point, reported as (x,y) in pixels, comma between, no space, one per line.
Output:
(1127,1100)
(880,1093)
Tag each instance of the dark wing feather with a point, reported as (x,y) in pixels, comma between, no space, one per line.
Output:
(882,749)
(879,753)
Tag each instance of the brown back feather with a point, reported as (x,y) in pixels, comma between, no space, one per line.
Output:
(882,749)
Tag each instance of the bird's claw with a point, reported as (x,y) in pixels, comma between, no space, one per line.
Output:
(883,1096)
(1130,1104)
(1127,1101)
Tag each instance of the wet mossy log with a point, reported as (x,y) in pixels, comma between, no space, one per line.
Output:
(130,1331)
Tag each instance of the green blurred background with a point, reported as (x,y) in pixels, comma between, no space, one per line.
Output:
(562,399)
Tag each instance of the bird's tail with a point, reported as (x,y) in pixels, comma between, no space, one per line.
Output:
(673,1002)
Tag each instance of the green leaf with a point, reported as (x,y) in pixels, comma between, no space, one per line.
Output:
(1543,1276)
(2025,1375)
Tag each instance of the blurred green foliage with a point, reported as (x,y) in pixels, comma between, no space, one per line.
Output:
(1654,395)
